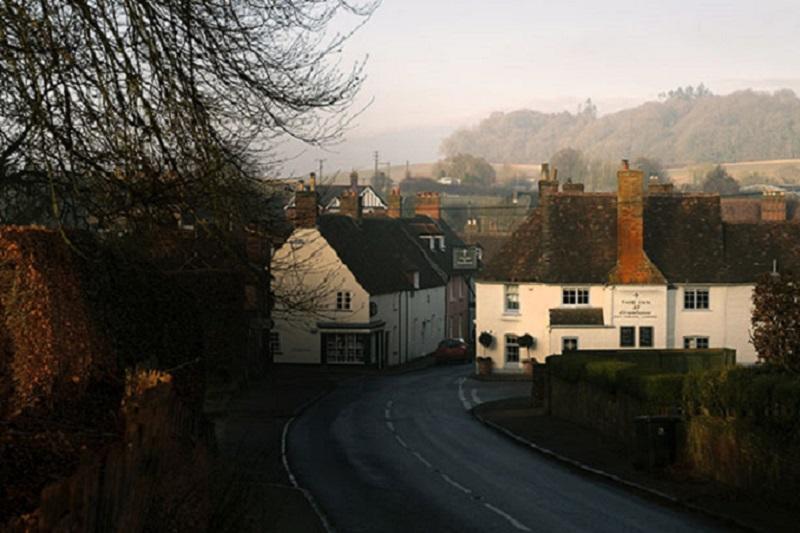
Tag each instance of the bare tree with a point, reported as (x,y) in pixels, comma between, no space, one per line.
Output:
(119,111)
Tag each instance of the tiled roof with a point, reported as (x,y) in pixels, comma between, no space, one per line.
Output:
(573,239)
(379,253)
(587,316)
(421,225)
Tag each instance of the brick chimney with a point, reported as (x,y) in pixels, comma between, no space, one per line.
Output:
(773,206)
(429,204)
(633,266)
(354,180)
(395,203)
(305,204)
(350,204)
(547,185)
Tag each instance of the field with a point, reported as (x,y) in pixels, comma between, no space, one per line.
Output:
(746,172)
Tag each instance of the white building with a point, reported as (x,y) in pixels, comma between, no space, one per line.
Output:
(354,290)
(627,270)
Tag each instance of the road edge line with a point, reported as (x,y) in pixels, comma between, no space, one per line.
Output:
(636,487)
(323,518)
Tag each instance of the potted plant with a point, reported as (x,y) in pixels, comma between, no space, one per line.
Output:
(527,341)
(485,363)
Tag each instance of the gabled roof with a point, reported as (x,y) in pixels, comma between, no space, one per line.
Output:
(420,226)
(573,239)
(380,253)
(328,193)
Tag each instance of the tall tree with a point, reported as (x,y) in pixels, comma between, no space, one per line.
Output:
(131,111)
(776,320)
(719,181)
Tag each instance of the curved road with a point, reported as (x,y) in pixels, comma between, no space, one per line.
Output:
(403,454)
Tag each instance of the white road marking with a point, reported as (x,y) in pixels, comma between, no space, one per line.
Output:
(461,396)
(423,460)
(475,398)
(456,484)
(387,414)
(514,522)
(401,441)
(390,426)
(293,480)
(389,404)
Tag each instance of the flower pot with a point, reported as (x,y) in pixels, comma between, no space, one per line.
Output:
(527,367)
(484,366)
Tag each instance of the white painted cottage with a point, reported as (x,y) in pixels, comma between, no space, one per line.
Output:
(350,289)
(627,270)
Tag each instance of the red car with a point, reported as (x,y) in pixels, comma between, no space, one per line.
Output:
(452,350)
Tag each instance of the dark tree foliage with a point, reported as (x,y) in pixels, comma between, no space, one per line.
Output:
(471,170)
(776,321)
(719,181)
(119,112)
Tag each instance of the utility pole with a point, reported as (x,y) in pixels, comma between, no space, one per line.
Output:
(376,156)
(408,169)
(320,168)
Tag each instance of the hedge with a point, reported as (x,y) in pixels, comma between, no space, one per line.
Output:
(759,394)
(653,376)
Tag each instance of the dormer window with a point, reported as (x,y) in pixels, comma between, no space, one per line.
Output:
(435,242)
(575,296)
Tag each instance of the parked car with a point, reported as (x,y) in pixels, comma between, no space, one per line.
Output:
(452,350)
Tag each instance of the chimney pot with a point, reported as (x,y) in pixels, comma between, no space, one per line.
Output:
(354,179)
(626,164)
(312,182)
(545,171)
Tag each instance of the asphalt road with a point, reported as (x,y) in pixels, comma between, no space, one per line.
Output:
(402,453)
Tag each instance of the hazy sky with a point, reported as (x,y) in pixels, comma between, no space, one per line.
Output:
(435,65)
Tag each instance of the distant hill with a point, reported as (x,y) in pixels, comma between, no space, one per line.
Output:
(680,130)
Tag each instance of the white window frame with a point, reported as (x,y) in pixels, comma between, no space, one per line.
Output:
(575,296)
(514,308)
(690,342)
(511,350)
(692,301)
(564,341)
(344,301)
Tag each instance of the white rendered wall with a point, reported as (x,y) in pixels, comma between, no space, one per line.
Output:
(308,273)
(726,322)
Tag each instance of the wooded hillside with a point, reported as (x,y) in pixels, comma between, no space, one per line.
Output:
(682,128)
